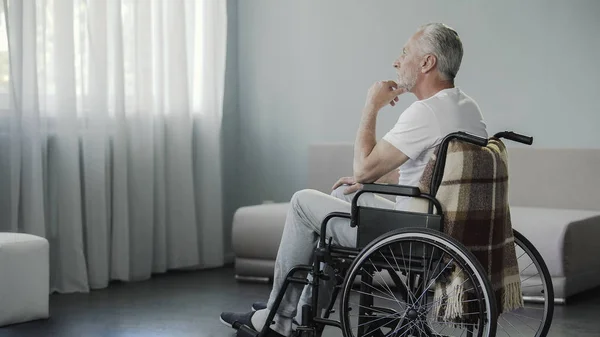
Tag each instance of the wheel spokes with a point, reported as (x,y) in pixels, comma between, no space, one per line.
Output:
(422,273)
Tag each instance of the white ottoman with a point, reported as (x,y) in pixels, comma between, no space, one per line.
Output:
(24,278)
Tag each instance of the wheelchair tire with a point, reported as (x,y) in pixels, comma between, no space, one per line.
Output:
(534,319)
(414,311)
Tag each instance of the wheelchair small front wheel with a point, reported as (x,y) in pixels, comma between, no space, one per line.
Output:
(417,282)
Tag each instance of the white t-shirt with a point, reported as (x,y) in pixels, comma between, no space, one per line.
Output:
(423,125)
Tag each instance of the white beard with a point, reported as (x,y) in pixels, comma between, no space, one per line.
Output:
(407,80)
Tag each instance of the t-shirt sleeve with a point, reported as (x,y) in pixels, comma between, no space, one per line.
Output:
(415,131)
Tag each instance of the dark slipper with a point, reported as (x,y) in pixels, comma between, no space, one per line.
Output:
(229,318)
(258,306)
(262,305)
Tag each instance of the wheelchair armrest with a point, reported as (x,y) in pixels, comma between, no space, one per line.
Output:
(326,220)
(401,190)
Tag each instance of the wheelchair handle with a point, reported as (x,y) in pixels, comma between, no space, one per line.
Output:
(515,137)
(467,137)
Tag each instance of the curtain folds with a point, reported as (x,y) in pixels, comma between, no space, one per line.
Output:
(112,140)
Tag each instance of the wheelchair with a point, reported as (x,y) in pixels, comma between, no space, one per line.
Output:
(385,281)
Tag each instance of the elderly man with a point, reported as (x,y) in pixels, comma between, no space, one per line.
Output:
(426,67)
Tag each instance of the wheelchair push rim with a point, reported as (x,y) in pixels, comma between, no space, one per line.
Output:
(410,308)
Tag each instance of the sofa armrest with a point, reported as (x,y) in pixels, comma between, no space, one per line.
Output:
(257,230)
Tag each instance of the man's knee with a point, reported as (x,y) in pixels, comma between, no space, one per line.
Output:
(339,192)
(302,198)
(299,199)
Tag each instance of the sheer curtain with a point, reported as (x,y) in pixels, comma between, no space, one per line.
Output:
(111,144)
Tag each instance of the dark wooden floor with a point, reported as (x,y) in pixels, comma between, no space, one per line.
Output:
(189,303)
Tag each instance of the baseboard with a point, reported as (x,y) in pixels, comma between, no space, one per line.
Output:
(254,279)
(540,300)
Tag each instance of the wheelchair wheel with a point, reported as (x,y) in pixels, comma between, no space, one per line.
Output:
(535,318)
(417,282)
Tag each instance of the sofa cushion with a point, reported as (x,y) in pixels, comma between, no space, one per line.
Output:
(560,178)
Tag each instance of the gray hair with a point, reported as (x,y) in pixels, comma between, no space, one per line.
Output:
(443,42)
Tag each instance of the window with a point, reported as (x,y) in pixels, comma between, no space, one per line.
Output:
(4,62)
(108,55)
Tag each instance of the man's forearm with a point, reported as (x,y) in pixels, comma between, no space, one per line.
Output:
(365,139)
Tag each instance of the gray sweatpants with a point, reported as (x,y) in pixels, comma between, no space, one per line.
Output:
(307,210)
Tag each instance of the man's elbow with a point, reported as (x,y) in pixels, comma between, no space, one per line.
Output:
(364,177)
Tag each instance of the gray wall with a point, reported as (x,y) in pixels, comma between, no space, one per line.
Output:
(304,68)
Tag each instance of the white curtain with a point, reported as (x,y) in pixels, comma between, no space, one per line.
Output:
(111,144)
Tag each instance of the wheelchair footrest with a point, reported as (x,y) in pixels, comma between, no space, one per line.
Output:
(305,332)
(245,331)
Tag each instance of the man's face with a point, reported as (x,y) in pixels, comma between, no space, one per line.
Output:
(407,65)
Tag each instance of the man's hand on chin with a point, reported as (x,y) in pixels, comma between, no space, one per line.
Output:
(383,93)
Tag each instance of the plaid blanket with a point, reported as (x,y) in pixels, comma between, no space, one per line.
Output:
(474,198)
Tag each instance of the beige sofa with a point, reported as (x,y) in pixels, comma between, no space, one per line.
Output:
(554,197)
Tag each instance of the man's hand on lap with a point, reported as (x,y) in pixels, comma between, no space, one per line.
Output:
(352,185)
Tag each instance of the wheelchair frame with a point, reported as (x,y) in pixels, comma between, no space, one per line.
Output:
(338,257)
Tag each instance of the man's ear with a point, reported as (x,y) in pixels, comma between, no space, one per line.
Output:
(428,63)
